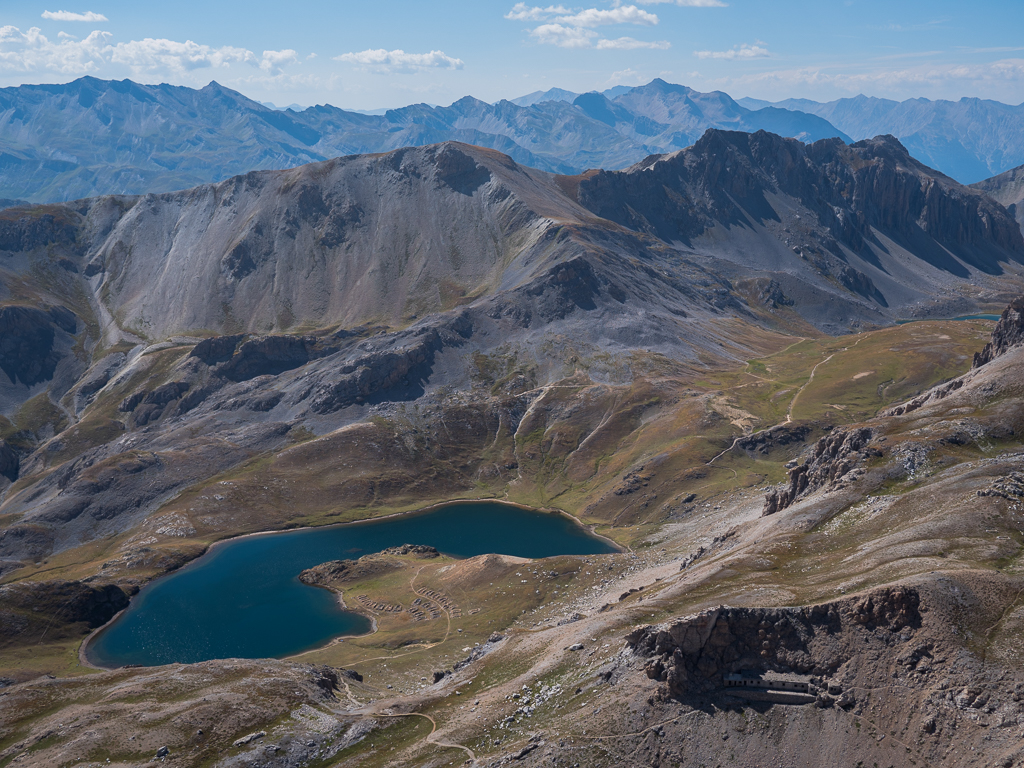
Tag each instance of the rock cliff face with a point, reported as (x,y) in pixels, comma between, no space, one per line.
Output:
(9,461)
(854,193)
(694,653)
(832,458)
(371,375)
(1009,332)
(27,334)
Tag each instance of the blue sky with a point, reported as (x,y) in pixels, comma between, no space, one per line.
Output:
(384,54)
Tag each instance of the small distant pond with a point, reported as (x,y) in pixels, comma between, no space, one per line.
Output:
(962,317)
(243,599)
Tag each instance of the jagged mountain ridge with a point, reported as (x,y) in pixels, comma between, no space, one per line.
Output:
(867,202)
(970,139)
(62,142)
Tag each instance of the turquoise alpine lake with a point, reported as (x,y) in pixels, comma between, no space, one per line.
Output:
(962,317)
(243,598)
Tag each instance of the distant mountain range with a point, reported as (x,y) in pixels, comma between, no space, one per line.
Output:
(970,139)
(89,137)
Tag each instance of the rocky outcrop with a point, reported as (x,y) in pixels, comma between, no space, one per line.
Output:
(24,541)
(26,229)
(9,461)
(409,359)
(65,602)
(1009,332)
(217,349)
(337,571)
(98,377)
(693,654)
(147,406)
(166,393)
(770,294)
(833,457)
(777,437)
(1007,189)
(27,353)
(420,550)
(935,393)
(856,281)
(265,356)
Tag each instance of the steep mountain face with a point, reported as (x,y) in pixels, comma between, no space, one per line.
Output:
(354,240)
(969,139)
(849,211)
(62,142)
(1008,190)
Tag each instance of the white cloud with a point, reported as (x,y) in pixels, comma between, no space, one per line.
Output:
(32,51)
(564,37)
(382,60)
(71,16)
(737,52)
(171,56)
(568,29)
(629,44)
(162,55)
(687,3)
(524,12)
(593,17)
(273,61)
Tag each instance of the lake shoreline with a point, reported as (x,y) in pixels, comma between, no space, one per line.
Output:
(83,651)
